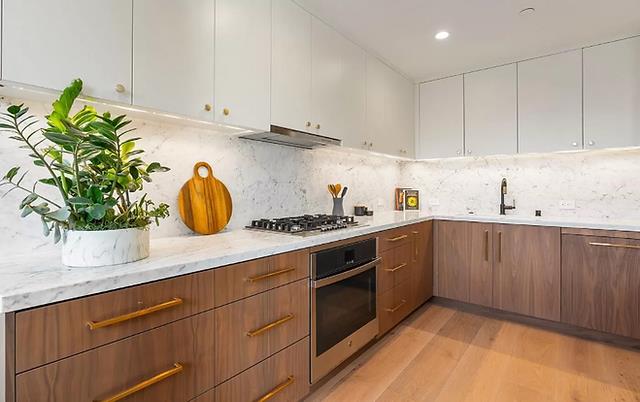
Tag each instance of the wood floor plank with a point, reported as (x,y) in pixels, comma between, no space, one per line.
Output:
(371,374)
(427,373)
(447,355)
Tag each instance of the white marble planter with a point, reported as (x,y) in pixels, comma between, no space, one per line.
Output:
(107,247)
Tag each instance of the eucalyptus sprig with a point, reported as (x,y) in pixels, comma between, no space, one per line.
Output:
(92,163)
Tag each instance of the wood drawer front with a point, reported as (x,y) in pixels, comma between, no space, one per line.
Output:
(394,305)
(236,350)
(249,278)
(394,238)
(396,267)
(286,373)
(109,370)
(67,331)
(601,284)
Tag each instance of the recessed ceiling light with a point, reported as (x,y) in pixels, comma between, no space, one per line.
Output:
(442,35)
(527,11)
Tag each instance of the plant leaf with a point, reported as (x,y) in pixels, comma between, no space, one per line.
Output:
(45,227)
(56,234)
(60,215)
(28,200)
(11,173)
(96,211)
(79,201)
(27,210)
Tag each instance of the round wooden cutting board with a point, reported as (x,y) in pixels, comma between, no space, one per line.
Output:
(204,202)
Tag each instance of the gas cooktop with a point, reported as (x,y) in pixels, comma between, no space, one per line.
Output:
(304,225)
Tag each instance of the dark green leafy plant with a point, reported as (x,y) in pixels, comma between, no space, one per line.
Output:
(92,163)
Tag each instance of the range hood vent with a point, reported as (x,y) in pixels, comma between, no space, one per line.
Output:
(292,138)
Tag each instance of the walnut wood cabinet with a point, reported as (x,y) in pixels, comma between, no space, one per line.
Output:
(526,277)
(601,283)
(422,260)
(464,259)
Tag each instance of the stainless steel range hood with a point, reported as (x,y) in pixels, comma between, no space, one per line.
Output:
(292,138)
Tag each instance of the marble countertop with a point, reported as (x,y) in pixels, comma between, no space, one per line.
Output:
(34,280)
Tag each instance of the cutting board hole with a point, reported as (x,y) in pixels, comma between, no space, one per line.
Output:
(203,172)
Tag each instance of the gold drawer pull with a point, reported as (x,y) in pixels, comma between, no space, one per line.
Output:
(177,367)
(270,326)
(277,389)
(270,274)
(614,245)
(398,238)
(404,264)
(394,309)
(176,301)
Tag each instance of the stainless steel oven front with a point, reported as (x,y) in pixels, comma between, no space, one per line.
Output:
(344,314)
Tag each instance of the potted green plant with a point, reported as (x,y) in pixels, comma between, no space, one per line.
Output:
(95,168)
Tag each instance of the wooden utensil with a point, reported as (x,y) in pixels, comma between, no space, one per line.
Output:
(332,190)
(204,202)
(338,189)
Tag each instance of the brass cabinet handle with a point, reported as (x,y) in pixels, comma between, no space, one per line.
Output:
(226,111)
(270,274)
(120,88)
(290,380)
(308,124)
(269,326)
(318,126)
(176,301)
(631,246)
(394,309)
(208,107)
(404,264)
(417,247)
(398,238)
(499,246)
(486,245)
(177,368)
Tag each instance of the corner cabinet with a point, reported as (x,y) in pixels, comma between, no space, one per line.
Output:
(50,43)
(172,68)
(390,111)
(441,132)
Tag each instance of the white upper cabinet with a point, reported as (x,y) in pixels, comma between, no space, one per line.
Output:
(490,111)
(612,94)
(50,43)
(291,66)
(550,103)
(337,85)
(243,63)
(389,126)
(441,132)
(173,56)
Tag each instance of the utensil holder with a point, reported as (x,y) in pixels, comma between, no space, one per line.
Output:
(338,208)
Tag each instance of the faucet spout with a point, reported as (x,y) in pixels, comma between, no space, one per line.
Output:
(503,192)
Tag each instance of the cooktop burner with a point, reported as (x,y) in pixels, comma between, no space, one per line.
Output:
(304,225)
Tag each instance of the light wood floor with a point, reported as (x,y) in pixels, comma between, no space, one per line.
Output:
(442,354)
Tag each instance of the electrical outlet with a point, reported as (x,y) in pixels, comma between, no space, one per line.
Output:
(567,205)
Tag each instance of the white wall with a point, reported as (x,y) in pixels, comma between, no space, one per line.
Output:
(264,180)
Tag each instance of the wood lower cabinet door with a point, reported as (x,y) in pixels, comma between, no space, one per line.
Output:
(422,263)
(463,260)
(253,329)
(527,270)
(174,362)
(601,284)
(282,377)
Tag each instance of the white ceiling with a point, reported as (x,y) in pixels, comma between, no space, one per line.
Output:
(484,33)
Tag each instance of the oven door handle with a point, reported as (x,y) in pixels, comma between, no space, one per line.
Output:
(344,275)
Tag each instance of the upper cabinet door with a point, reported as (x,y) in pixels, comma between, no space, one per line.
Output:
(490,111)
(243,63)
(550,103)
(390,111)
(337,86)
(612,94)
(291,66)
(441,133)
(50,43)
(173,56)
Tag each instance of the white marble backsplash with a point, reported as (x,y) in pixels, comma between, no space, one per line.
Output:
(605,185)
(264,180)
